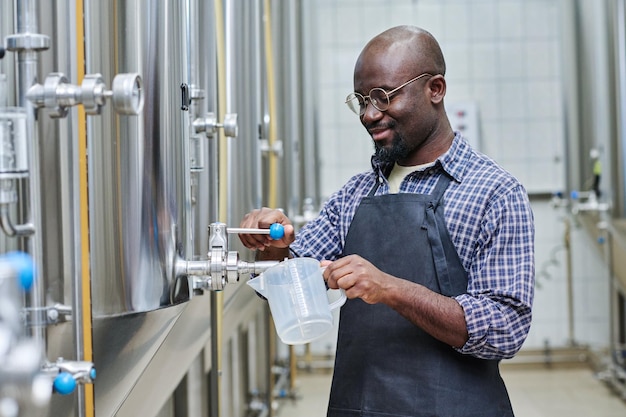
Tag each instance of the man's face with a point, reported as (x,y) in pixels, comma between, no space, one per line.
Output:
(400,131)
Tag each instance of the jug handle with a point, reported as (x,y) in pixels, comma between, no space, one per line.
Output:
(340,301)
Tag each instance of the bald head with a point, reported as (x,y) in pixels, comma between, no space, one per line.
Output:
(416,46)
(406,63)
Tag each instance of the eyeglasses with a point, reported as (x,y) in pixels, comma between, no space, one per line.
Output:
(377,96)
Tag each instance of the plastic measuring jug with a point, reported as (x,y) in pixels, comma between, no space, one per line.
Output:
(298,299)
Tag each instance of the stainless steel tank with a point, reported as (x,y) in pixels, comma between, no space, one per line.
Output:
(120,199)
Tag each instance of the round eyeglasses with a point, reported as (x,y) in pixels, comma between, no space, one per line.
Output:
(377,96)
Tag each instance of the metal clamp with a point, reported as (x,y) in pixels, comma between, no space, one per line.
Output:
(275,149)
(27,42)
(45,316)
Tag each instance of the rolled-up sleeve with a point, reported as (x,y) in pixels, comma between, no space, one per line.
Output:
(498,302)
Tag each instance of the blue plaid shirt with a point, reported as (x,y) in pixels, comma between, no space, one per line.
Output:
(490,222)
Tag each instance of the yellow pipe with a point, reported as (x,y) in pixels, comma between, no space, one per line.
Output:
(272,200)
(221,111)
(84,211)
(217,297)
(272,162)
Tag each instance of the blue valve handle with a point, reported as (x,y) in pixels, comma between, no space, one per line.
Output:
(64,383)
(276,231)
(24,267)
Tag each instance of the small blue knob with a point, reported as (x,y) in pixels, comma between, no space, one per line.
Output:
(574,195)
(24,267)
(277,231)
(92,374)
(64,383)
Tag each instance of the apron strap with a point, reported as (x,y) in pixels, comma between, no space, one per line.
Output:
(432,226)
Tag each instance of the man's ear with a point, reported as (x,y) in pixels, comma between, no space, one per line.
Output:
(437,88)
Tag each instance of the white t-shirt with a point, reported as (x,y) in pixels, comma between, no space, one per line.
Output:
(399,172)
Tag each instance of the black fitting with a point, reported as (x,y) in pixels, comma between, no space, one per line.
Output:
(2,52)
(186,98)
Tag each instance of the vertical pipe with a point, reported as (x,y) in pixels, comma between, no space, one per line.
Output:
(272,198)
(27,77)
(570,284)
(621,74)
(271,96)
(81,279)
(613,295)
(310,165)
(217,298)
(291,53)
(570,37)
(78,286)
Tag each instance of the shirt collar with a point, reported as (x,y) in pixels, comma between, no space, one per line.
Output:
(454,161)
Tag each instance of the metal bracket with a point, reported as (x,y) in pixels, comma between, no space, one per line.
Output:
(275,149)
(45,316)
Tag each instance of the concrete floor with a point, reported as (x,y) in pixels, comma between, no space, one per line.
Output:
(574,392)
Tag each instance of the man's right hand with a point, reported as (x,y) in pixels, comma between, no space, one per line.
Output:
(262,219)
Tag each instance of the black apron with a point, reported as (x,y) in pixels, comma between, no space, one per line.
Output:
(385,365)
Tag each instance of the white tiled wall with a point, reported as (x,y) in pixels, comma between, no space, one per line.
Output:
(589,283)
(503,55)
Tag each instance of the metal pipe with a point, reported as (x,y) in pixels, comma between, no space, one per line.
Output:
(11,229)
(621,72)
(217,298)
(293,111)
(77,171)
(27,77)
(310,163)
(567,242)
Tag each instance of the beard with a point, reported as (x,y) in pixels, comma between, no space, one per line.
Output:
(396,151)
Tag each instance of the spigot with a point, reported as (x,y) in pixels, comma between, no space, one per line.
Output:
(224,266)
(71,373)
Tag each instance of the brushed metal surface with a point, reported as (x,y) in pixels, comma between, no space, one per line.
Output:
(138,166)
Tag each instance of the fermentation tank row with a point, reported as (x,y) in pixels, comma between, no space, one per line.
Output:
(134,133)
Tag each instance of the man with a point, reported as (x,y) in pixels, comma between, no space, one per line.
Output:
(433,246)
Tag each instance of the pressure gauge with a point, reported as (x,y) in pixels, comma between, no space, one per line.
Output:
(128,93)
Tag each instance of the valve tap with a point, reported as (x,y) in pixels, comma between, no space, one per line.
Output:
(69,374)
(224,266)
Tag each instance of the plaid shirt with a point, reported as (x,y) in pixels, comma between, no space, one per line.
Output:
(490,222)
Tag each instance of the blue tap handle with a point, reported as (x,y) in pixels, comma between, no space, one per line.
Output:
(64,383)
(23,266)
(276,231)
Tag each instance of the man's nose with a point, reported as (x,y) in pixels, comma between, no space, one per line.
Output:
(371,112)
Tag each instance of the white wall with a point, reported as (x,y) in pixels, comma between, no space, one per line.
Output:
(504,56)
(501,54)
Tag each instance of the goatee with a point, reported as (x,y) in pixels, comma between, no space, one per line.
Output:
(397,150)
